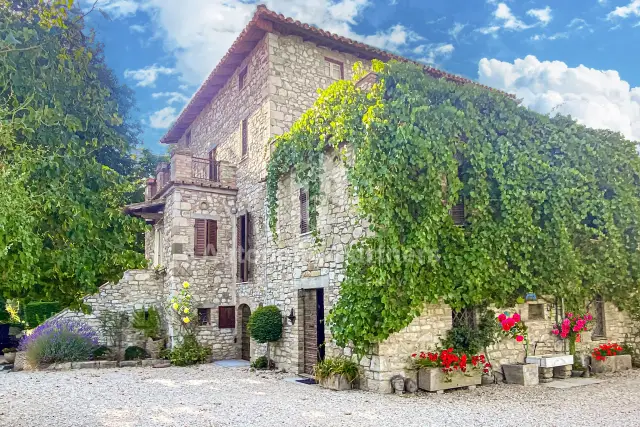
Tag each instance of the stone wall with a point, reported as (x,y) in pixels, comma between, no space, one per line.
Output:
(136,290)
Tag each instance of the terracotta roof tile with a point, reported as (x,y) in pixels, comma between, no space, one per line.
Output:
(209,89)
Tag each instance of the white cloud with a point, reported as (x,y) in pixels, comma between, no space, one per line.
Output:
(599,99)
(508,19)
(542,15)
(147,76)
(435,52)
(489,30)
(199,32)
(632,8)
(162,119)
(578,24)
(137,28)
(172,97)
(118,8)
(456,29)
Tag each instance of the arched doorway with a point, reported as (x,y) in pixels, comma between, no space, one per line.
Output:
(245,339)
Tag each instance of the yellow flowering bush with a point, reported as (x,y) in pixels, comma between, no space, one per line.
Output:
(182,305)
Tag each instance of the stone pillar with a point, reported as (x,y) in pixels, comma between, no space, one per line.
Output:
(545,375)
(181,164)
(227,173)
(151,189)
(562,372)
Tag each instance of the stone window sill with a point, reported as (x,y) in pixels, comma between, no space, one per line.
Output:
(308,233)
(599,338)
(243,158)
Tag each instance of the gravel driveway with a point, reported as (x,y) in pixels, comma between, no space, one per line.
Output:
(209,395)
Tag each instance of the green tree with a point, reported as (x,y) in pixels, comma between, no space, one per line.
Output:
(65,157)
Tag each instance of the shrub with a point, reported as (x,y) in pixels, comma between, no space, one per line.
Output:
(36,313)
(190,352)
(60,340)
(4,314)
(265,324)
(147,322)
(135,353)
(464,339)
(261,363)
(336,366)
(101,353)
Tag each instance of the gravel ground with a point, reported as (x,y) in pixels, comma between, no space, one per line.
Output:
(209,395)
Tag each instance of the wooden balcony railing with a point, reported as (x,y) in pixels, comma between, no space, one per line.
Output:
(205,169)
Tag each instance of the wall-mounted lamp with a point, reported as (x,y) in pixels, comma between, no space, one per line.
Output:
(292,317)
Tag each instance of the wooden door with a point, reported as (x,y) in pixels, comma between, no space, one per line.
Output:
(313,327)
(245,338)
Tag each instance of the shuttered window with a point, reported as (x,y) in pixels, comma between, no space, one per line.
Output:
(333,69)
(304,211)
(226,317)
(213,165)
(245,137)
(243,226)
(242,77)
(205,237)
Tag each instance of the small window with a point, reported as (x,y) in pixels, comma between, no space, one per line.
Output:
(187,139)
(243,245)
(242,78)
(600,328)
(464,317)
(536,311)
(204,316)
(245,137)
(333,69)
(205,237)
(304,211)
(226,317)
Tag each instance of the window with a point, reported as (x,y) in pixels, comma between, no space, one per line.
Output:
(243,232)
(304,211)
(213,165)
(333,69)
(536,311)
(204,316)
(464,317)
(245,137)
(599,329)
(187,139)
(206,237)
(242,78)
(226,317)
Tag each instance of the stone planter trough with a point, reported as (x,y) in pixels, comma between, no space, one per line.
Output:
(433,379)
(550,360)
(10,358)
(525,374)
(336,382)
(617,363)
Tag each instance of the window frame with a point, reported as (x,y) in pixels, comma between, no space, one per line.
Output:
(243,243)
(333,62)
(210,231)
(242,78)
(207,311)
(305,223)
(600,318)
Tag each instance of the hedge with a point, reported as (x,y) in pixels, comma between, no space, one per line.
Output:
(35,313)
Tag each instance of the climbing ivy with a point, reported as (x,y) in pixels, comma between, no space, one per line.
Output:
(550,205)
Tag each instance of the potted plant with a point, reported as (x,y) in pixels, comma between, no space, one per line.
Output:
(446,369)
(10,354)
(336,373)
(520,373)
(148,322)
(571,327)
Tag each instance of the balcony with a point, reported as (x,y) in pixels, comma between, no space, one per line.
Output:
(186,169)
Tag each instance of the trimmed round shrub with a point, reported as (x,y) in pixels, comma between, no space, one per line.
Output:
(61,340)
(135,353)
(265,324)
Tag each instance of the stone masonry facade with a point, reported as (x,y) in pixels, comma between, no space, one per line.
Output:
(280,79)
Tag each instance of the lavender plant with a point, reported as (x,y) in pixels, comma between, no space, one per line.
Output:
(59,340)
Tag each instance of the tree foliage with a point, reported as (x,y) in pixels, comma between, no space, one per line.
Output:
(265,324)
(550,205)
(66,137)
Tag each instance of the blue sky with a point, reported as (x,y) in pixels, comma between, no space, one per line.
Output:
(577,57)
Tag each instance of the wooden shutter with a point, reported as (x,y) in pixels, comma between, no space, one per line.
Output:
(200,237)
(212,237)
(245,137)
(247,246)
(457,212)
(239,248)
(226,317)
(304,211)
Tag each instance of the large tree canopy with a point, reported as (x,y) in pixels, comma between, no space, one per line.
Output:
(550,206)
(66,164)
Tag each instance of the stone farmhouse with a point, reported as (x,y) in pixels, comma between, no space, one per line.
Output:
(208,214)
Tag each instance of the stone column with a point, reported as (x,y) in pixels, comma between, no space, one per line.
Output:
(181,164)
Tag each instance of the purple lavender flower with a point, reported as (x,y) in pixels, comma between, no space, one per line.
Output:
(59,340)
